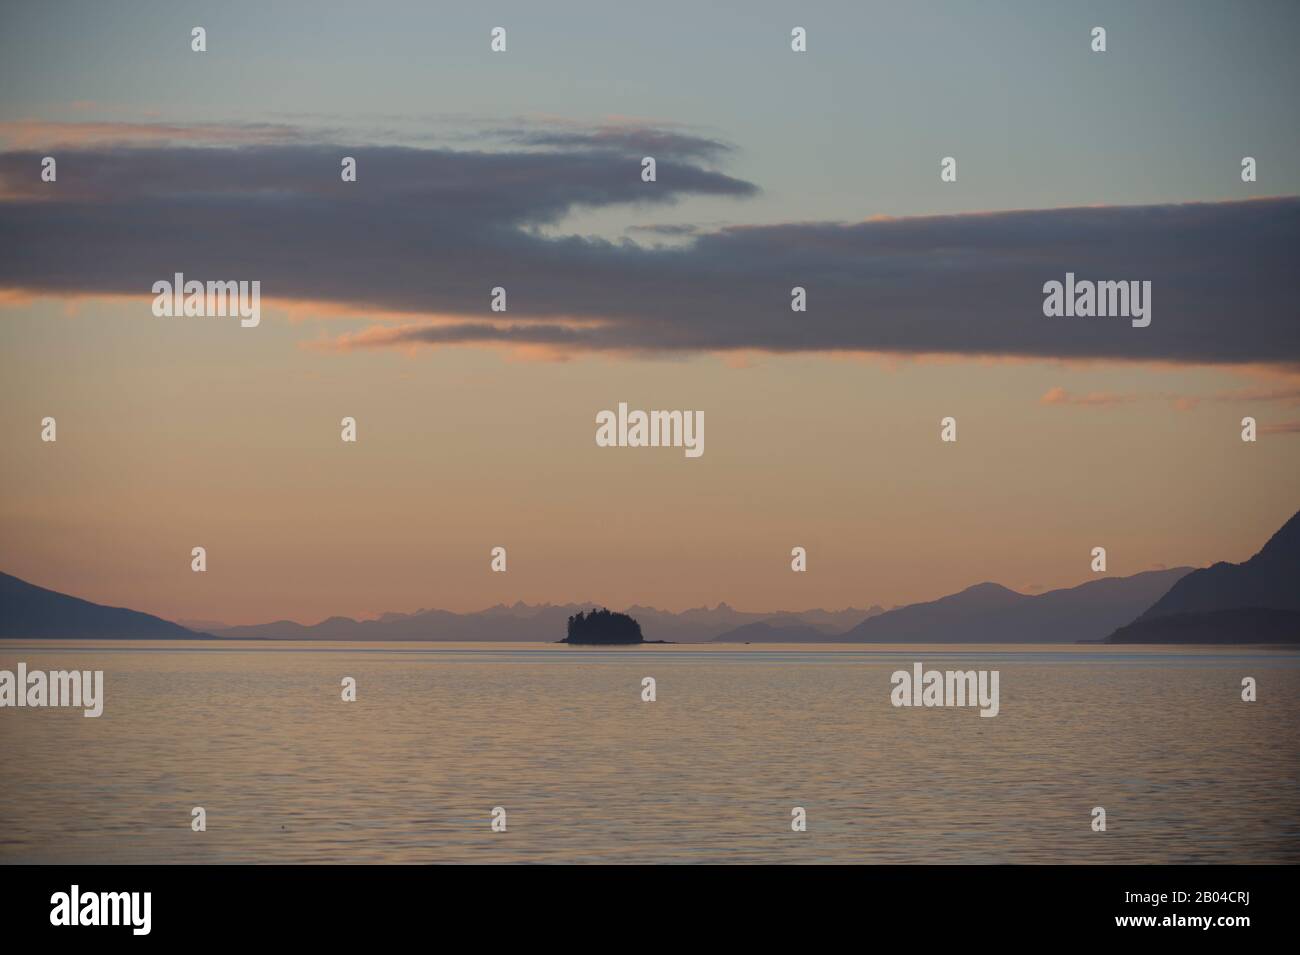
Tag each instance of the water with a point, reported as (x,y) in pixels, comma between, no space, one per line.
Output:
(559,737)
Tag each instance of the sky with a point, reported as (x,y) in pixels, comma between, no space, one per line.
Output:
(522,169)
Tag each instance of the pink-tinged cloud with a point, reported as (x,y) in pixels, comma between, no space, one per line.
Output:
(1059,396)
(1284,394)
(49,135)
(1282,427)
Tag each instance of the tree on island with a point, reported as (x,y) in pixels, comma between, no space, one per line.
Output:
(603,626)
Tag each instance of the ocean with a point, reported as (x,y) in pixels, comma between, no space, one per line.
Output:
(441,735)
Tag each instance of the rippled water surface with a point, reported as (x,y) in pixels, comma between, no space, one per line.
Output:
(559,737)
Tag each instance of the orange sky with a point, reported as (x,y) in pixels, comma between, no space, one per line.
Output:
(178,433)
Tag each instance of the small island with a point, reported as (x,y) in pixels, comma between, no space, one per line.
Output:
(603,627)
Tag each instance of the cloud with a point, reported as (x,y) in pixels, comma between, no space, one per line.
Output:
(1284,394)
(1059,396)
(1282,427)
(459,333)
(429,232)
(620,139)
(51,135)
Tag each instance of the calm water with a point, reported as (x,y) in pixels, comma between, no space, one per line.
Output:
(558,736)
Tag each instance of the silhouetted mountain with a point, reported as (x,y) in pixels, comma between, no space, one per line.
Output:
(201,626)
(764,632)
(522,622)
(1257,601)
(991,613)
(1243,625)
(28,611)
(602,627)
(704,623)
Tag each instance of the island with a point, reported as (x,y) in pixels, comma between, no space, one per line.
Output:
(603,627)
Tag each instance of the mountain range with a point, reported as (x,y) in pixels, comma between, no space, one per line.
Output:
(522,622)
(991,613)
(30,611)
(1257,601)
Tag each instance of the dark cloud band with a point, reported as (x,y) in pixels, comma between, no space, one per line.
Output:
(431,231)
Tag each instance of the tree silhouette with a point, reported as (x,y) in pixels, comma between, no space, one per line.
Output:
(603,626)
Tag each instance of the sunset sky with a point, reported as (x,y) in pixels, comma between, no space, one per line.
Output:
(522,169)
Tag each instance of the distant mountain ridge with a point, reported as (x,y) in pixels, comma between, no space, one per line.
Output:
(27,610)
(1256,601)
(523,623)
(991,613)
(767,632)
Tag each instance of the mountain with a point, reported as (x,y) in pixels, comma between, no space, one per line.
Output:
(520,622)
(202,626)
(704,623)
(1242,625)
(1257,601)
(764,632)
(991,613)
(28,611)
